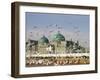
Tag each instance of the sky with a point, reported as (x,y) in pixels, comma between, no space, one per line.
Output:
(72,26)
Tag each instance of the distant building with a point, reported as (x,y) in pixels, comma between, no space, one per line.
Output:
(58,44)
(32,45)
(43,44)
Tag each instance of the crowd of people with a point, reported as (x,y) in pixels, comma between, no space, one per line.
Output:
(56,61)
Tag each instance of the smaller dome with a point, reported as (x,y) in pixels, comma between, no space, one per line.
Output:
(43,40)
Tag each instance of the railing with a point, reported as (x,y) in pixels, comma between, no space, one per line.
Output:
(57,55)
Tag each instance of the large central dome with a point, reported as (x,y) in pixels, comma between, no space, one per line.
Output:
(58,37)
